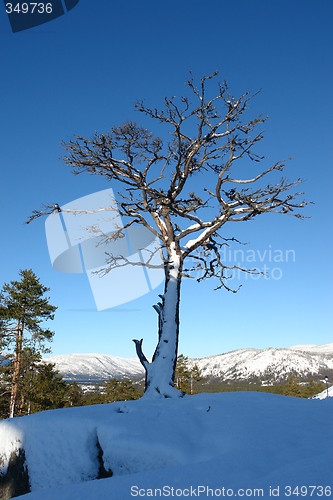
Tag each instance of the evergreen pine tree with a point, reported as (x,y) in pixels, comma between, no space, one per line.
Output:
(23,310)
(49,390)
(74,395)
(120,390)
(185,375)
(292,387)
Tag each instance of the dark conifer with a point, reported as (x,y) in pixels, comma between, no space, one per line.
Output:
(23,310)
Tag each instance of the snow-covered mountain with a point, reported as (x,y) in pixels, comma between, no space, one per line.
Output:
(270,364)
(96,367)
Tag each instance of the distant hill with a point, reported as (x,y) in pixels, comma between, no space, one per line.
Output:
(95,367)
(265,365)
(269,365)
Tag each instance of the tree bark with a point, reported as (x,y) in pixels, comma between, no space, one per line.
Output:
(16,370)
(160,372)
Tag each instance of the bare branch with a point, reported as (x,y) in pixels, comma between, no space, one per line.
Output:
(138,346)
(4,393)
(158,175)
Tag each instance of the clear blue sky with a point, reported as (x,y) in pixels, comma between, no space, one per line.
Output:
(83,72)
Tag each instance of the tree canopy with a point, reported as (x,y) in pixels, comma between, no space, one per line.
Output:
(23,311)
(184,190)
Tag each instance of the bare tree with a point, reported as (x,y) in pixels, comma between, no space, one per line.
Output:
(184,190)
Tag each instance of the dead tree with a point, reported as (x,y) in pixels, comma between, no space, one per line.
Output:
(184,190)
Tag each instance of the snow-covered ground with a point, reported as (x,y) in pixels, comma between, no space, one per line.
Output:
(323,394)
(227,444)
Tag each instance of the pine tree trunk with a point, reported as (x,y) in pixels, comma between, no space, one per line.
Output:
(21,405)
(16,368)
(160,372)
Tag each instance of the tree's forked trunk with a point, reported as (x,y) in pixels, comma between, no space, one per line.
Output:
(160,372)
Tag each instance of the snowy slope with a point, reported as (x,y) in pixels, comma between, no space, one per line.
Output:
(95,367)
(230,440)
(323,394)
(271,364)
(243,364)
(313,348)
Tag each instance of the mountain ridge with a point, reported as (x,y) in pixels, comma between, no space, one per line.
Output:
(268,365)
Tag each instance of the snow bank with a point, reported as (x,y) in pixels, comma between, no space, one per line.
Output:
(11,442)
(323,394)
(230,440)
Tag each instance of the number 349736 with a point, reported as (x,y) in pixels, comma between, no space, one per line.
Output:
(29,8)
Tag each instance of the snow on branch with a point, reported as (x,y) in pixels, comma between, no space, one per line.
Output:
(177,189)
(183,186)
(138,346)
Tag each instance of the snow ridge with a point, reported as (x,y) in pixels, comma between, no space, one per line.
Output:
(271,363)
(95,367)
(242,364)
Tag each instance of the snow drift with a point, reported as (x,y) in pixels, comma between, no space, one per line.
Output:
(231,440)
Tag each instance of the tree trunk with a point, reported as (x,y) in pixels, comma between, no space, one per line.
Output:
(160,372)
(16,368)
(19,412)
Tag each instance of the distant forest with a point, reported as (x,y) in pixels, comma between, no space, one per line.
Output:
(54,393)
